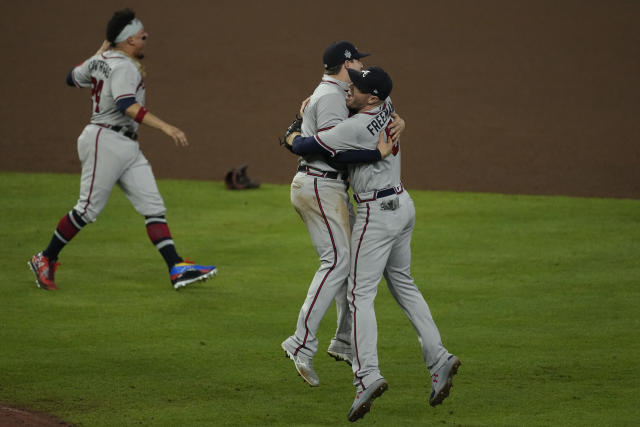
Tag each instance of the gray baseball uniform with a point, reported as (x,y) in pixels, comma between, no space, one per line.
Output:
(380,244)
(319,195)
(108,156)
(109,153)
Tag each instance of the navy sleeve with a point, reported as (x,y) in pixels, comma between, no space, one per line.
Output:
(358,156)
(125,103)
(303,146)
(70,79)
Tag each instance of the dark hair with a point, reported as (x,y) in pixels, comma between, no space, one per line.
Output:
(119,20)
(332,71)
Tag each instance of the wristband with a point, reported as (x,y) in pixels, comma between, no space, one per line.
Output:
(141,113)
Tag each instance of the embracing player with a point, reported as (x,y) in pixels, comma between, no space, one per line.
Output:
(380,241)
(319,195)
(110,154)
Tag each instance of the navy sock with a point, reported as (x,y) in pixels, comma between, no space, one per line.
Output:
(68,226)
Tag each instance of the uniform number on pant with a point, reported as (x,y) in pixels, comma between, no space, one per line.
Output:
(96,90)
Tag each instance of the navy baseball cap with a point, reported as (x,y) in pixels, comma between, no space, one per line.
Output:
(373,80)
(341,51)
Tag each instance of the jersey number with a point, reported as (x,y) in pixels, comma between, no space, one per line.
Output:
(396,145)
(96,90)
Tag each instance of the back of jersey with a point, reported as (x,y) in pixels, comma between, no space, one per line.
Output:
(361,132)
(112,76)
(327,107)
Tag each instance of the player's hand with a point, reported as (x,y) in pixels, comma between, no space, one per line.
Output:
(396,127)
(179,137)
(385,145)
(304,105)
(104,47)
(289,139)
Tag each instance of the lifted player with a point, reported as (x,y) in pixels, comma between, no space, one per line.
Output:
(380,241)
(110,154)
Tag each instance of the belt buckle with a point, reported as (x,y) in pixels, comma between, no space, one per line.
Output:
(390,205)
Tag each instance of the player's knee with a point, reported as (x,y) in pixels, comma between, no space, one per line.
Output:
(343,264)
(88,214)
(152,210)
(155,214)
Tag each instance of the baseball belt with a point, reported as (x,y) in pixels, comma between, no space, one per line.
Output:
(120,129)
(377,194)
(321,174)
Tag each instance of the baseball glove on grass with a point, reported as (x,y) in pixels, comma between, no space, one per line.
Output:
(237,179)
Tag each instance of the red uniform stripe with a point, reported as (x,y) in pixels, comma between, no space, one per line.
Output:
(325,146)
(93,175)
(335,261)
(353,295)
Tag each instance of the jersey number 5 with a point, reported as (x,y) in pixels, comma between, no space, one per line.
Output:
(96,90)
(396,145)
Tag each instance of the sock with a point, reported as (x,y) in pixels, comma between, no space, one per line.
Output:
(68,226)
(160,236)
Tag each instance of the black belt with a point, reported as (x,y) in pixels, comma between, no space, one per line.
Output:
(379,194)
(120,129)
(321,174)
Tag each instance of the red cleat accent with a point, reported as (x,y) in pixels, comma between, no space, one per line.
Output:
(44,271)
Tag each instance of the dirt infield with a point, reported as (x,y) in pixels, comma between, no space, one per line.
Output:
(535,97)
(12,417)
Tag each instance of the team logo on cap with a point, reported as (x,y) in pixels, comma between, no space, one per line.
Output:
(364,73)
(347,53)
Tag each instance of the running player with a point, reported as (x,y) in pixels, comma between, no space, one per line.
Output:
(110,154)
(380,242)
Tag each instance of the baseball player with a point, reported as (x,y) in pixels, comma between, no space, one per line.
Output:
(319,195)
(110,154)
(380,242)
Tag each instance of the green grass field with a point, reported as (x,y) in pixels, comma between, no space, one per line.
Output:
(538,296)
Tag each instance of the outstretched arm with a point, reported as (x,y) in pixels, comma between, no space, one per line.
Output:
(143,116)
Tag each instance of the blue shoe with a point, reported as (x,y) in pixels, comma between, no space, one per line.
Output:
(187,272)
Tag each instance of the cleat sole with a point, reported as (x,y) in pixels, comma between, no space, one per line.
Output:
(339,357)
(206,276)
(363,409)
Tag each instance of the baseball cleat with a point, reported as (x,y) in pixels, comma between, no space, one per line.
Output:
(187,272)
(340,350)
(304,366)
(364,399)
(44,270)
(442,380)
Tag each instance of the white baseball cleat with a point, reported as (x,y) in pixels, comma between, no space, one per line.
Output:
(340,350)
(362,403)
(442,380)
(304,366)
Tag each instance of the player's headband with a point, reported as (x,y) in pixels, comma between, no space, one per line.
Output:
(131,29)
